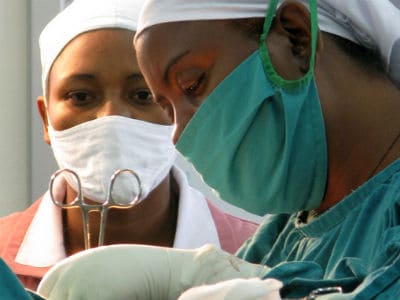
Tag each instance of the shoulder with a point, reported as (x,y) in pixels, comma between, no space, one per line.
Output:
(232,231)
(12,232)
(14,226)
(235,222)
(379,198)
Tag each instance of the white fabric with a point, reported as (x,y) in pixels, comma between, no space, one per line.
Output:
(371,23)
(43,245)
(195,224)
(97,148)
(82,16)
(236,289)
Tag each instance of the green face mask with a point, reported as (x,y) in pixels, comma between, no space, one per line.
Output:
(259,140)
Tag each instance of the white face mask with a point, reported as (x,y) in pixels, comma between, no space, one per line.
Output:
(96,149)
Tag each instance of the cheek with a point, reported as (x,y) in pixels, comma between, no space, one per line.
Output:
(61,117)
(157,116)
(54,118)
(59,114)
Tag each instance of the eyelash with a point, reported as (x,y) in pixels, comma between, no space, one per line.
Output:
(135,97)
(195,86)
(73,97)
(82,98)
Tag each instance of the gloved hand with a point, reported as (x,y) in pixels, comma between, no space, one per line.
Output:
(236,289)
(141,272)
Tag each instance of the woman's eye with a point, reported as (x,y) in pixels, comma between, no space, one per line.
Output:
(79,98)
(194,86)
(142,96)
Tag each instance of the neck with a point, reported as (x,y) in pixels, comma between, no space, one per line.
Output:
(152,221)
(362,126)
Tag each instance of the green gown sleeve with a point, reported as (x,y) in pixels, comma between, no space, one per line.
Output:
(11,288)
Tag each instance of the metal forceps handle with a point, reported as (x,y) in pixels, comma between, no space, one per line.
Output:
(111,203)
(324,291)
(314,294)
(103,208)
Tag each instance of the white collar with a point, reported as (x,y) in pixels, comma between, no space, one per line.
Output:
(43,244)
(195,226)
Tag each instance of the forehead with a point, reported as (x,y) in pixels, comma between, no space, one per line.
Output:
(164,41)
(173,33)
(160,44)
(103,42)
(103,48)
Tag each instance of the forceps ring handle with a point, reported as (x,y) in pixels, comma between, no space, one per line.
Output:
(111,203)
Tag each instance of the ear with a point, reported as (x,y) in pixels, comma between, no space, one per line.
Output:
(41,105)
(293,21)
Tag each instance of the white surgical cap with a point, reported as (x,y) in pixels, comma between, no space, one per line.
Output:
(82,16)
(374,24)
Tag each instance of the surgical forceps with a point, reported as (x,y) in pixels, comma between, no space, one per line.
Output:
(86,208)
(315,294)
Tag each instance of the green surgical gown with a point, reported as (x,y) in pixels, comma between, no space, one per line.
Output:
(11,288)
(355,244)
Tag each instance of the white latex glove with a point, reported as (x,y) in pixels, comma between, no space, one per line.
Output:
(236,289)
(140,272)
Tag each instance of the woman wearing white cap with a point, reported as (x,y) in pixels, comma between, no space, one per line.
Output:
(98,116)
(298,122)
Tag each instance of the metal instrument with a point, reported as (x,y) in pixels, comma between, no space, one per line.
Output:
(315,294)
(86,208)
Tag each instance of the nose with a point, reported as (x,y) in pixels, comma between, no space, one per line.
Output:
(177,133)
(183,113)
(114,106)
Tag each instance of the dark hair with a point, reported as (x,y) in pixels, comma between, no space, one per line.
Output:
(366,58)
(252,27)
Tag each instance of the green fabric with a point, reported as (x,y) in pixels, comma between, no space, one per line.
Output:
(34,296)
(11,288)
(355,244)
(267,151)
(259,140)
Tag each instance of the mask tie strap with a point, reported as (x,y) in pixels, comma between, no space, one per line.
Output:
(266,60)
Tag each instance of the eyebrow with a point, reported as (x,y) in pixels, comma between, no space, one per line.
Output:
(80,76)
(87,76)
(135,76)
(173,62)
